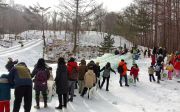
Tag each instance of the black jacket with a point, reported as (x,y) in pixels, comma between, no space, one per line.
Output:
(61,80)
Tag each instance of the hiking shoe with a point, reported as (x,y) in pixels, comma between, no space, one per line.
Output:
(127,85)
(37,107)
(70,99)
(45,106)
(59,107)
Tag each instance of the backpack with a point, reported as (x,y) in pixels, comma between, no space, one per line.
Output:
(157,68)
(120,69)
(41,80)
(160,58)
(106,72)
(74,74)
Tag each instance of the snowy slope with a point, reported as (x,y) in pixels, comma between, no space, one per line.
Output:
(145,97)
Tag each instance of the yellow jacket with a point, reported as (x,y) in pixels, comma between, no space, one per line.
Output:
(170,67)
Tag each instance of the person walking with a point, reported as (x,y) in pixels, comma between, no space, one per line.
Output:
(89,79)
(72,68)
(61,81)
(82,71)
(134,72)
(41,74)
(122,69)
(106,75)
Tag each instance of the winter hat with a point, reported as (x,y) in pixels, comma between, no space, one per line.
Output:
(83,62)
(61,61)
(72,59)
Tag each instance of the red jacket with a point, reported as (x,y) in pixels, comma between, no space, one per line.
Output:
(177,65)
(70,66)
(153,59)
(125,69)
(134,71)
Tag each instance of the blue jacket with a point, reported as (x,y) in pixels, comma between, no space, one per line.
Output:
(20,76)
(5,89)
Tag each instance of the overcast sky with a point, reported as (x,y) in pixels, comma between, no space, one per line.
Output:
(110,5)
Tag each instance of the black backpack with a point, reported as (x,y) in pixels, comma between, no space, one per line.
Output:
(120,69)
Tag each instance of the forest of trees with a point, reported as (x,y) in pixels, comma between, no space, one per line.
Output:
(145,22)
(152,23)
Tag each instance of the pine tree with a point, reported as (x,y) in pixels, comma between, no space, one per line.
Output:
(107,44)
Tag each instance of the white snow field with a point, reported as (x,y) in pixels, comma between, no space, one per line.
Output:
(144,97)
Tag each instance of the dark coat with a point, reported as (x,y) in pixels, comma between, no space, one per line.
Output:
(61,80)
(37,84)
(82,71)
(10,65)
(98,71)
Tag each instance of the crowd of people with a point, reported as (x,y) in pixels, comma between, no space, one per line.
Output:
(68,75)
(158,64)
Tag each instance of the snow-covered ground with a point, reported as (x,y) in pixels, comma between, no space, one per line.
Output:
(144,97)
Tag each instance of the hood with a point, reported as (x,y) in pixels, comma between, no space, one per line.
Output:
(90,72)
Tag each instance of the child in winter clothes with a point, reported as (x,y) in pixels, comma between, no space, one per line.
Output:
(151,73)
(4,94)
(170,69)
(134,72)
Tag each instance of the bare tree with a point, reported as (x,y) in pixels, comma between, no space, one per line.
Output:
(41,11)
(79,12)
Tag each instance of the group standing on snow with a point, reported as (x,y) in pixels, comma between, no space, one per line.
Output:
(69,75)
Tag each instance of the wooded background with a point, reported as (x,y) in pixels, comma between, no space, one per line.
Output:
(145,22)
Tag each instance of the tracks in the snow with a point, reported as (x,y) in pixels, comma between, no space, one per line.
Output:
(18,48)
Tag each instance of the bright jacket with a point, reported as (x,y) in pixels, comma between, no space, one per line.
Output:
(70,67)
(89,79)
(177,65)
(5,92)
(134,71)
(170,68)
(124,68)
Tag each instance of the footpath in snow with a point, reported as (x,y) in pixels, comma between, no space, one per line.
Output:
(144,97)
